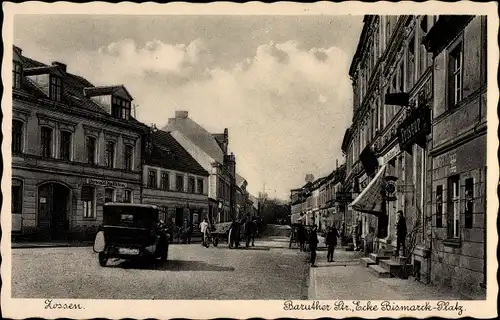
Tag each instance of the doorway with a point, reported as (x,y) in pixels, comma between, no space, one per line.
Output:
(53,200)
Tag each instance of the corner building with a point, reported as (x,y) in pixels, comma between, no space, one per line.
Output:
(74,147)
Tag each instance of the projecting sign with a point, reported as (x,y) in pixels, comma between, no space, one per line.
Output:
(415,128)
(390,188)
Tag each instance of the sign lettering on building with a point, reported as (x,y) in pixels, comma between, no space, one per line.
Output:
(106,183)
(390,155)
(414,128)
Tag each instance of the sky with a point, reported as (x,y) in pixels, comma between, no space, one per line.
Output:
(280,84)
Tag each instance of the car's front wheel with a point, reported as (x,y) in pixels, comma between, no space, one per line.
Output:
(103,259)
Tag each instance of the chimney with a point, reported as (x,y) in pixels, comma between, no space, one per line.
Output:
(181,114)
(60,65)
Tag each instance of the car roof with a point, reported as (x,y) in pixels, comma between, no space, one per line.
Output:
(137,205)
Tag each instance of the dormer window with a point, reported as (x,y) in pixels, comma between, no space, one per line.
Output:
(120,108)
(55,88)
(16,75)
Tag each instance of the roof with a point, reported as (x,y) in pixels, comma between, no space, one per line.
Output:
(240,180)
(219,137)
(105,90)
(198,135)
(73,88)
(169,154)
(361,44)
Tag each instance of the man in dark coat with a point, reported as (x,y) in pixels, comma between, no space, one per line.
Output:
(401,232)
(301,235)
(313,245)
(331,242)
(234,234)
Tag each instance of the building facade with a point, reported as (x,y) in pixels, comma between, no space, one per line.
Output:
(211,152)
(74,146)
(458,152)
(174,181)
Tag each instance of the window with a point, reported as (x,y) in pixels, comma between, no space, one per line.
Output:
(191,186)
(179,183)
(200,186)
(16,75)
(453,207)
(455,76)
(423,51)
(17,196)
(17,136)
(55,88)
(469,203)
(91,150)
(110,154)
(88,198)
(65,145)
(152,179)
(120,108)
(165,181)
(46,142)
(127,196)
(128,157)
(109,195)
(439,206)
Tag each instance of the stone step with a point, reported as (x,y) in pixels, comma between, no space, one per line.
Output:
(396,268)
(400,259)
(366,262)
(379,271)
(377,257)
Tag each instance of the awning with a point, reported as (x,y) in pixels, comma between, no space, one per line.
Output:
(371,199)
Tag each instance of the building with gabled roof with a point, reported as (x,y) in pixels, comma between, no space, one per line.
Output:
(174,181)
(71,153)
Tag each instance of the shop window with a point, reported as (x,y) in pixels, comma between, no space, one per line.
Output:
(152,179)
(455,60)
(17,136)
(469,203)
(17,196)
(55,88)
(88,198)
(91,146)
(191,186)
(439,206)
(128,155)
(127,196)
(165,181)
(109,195)
(16,75)
(200,186)
(65,147)
(179,183)
(110,154)
(46,142)
(453,207)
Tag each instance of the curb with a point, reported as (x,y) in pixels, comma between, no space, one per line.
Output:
(68,245)
(311,292)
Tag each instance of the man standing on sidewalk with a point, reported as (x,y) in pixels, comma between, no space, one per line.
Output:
(331,242)
(401,233)
(313,244)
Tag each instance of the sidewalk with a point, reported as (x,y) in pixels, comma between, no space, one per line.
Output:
(347,279)
(50,244)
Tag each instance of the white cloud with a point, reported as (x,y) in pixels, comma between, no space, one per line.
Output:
(286,108)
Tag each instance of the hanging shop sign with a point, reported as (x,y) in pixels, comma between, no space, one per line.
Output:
(106,183)
(414,129)
(343,196)
(390,188)
(390,155)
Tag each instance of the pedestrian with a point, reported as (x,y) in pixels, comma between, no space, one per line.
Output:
(234,234)
(313,244)
(301,235)
(187,230)
(204,232)
(331,242)
(356,237)
(401,233)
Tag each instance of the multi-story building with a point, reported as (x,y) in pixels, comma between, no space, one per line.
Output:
(74,147)
(457,190)
(392,83)
(174,181)
(333,210)
(242,208)
(211,152)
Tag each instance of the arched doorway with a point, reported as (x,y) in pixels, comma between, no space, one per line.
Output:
(53,207)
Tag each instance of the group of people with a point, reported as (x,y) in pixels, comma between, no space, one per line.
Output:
(247,227)
(311,239)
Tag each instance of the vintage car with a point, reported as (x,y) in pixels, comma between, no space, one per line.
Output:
(131,231)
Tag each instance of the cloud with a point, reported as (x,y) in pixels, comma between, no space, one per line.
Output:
(286,107)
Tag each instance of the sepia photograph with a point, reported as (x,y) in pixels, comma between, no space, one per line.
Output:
(329,161)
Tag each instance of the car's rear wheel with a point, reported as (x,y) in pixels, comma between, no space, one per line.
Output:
(103,259)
